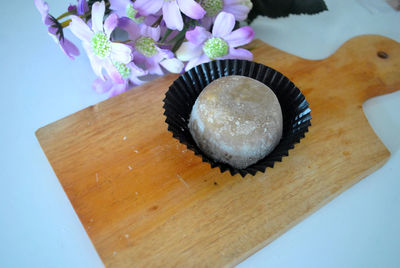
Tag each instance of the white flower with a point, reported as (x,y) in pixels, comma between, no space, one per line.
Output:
(101,51)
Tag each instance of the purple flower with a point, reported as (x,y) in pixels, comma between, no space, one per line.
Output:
(71,8)
(146,52)
(124,8)
(67,46)
(204,46)
(238,8)
(129,72)
(171,10)
(101,51)
(82,8)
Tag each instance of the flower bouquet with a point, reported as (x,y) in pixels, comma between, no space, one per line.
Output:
(126,40)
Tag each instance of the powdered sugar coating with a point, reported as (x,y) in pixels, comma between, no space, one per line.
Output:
(236,120)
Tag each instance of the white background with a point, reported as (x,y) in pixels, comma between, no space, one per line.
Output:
(38,226)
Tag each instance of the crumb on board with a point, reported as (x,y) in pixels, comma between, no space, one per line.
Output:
(215,183)
(129,167)
(114,253)
(182,180)
(124,138)
(136,151)
(126,235)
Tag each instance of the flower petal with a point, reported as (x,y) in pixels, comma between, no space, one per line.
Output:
(121,52)
(152,32)
(198,35)
(172,15)
(194,62)
(80,29)
(118,89)
(69,48)
(240,11)
(112,71)
(98,10)
(206,22)
(153,66)
(66,46)
(223,24)
(165,54)
(240,36)
(136,80)
(101,86)
(135,70)
(238,53)
(232,2)
(188,51)
(119,5)
(138,58)
(191,9)
(132,28)
(48,21)
(43,8)
(110,24)
(95,62)
(172,65)
(82,8)
(53,33)
(147,7)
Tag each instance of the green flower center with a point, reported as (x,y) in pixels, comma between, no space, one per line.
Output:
(131,13)
(101,45)
(212,7)
(124,70)
(215,47)
(146,46)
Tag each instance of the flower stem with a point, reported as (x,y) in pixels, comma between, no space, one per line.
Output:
(179,36)
(167,33)
(177,44)
(178,39)
(120,41)
(157,22)
(65,23)
(66,14)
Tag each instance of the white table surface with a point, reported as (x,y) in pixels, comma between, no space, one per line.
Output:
(38,226)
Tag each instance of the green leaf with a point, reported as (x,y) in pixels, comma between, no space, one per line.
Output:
(283,8)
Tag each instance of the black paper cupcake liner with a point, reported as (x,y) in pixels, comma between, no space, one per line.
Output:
(183,93)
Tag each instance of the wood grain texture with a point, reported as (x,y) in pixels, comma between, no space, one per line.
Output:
(147,201)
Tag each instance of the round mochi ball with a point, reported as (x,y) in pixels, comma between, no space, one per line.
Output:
(236,120)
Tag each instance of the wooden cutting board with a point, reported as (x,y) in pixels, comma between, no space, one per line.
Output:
(147,201)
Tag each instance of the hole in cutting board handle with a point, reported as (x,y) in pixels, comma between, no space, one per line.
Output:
(382,55)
